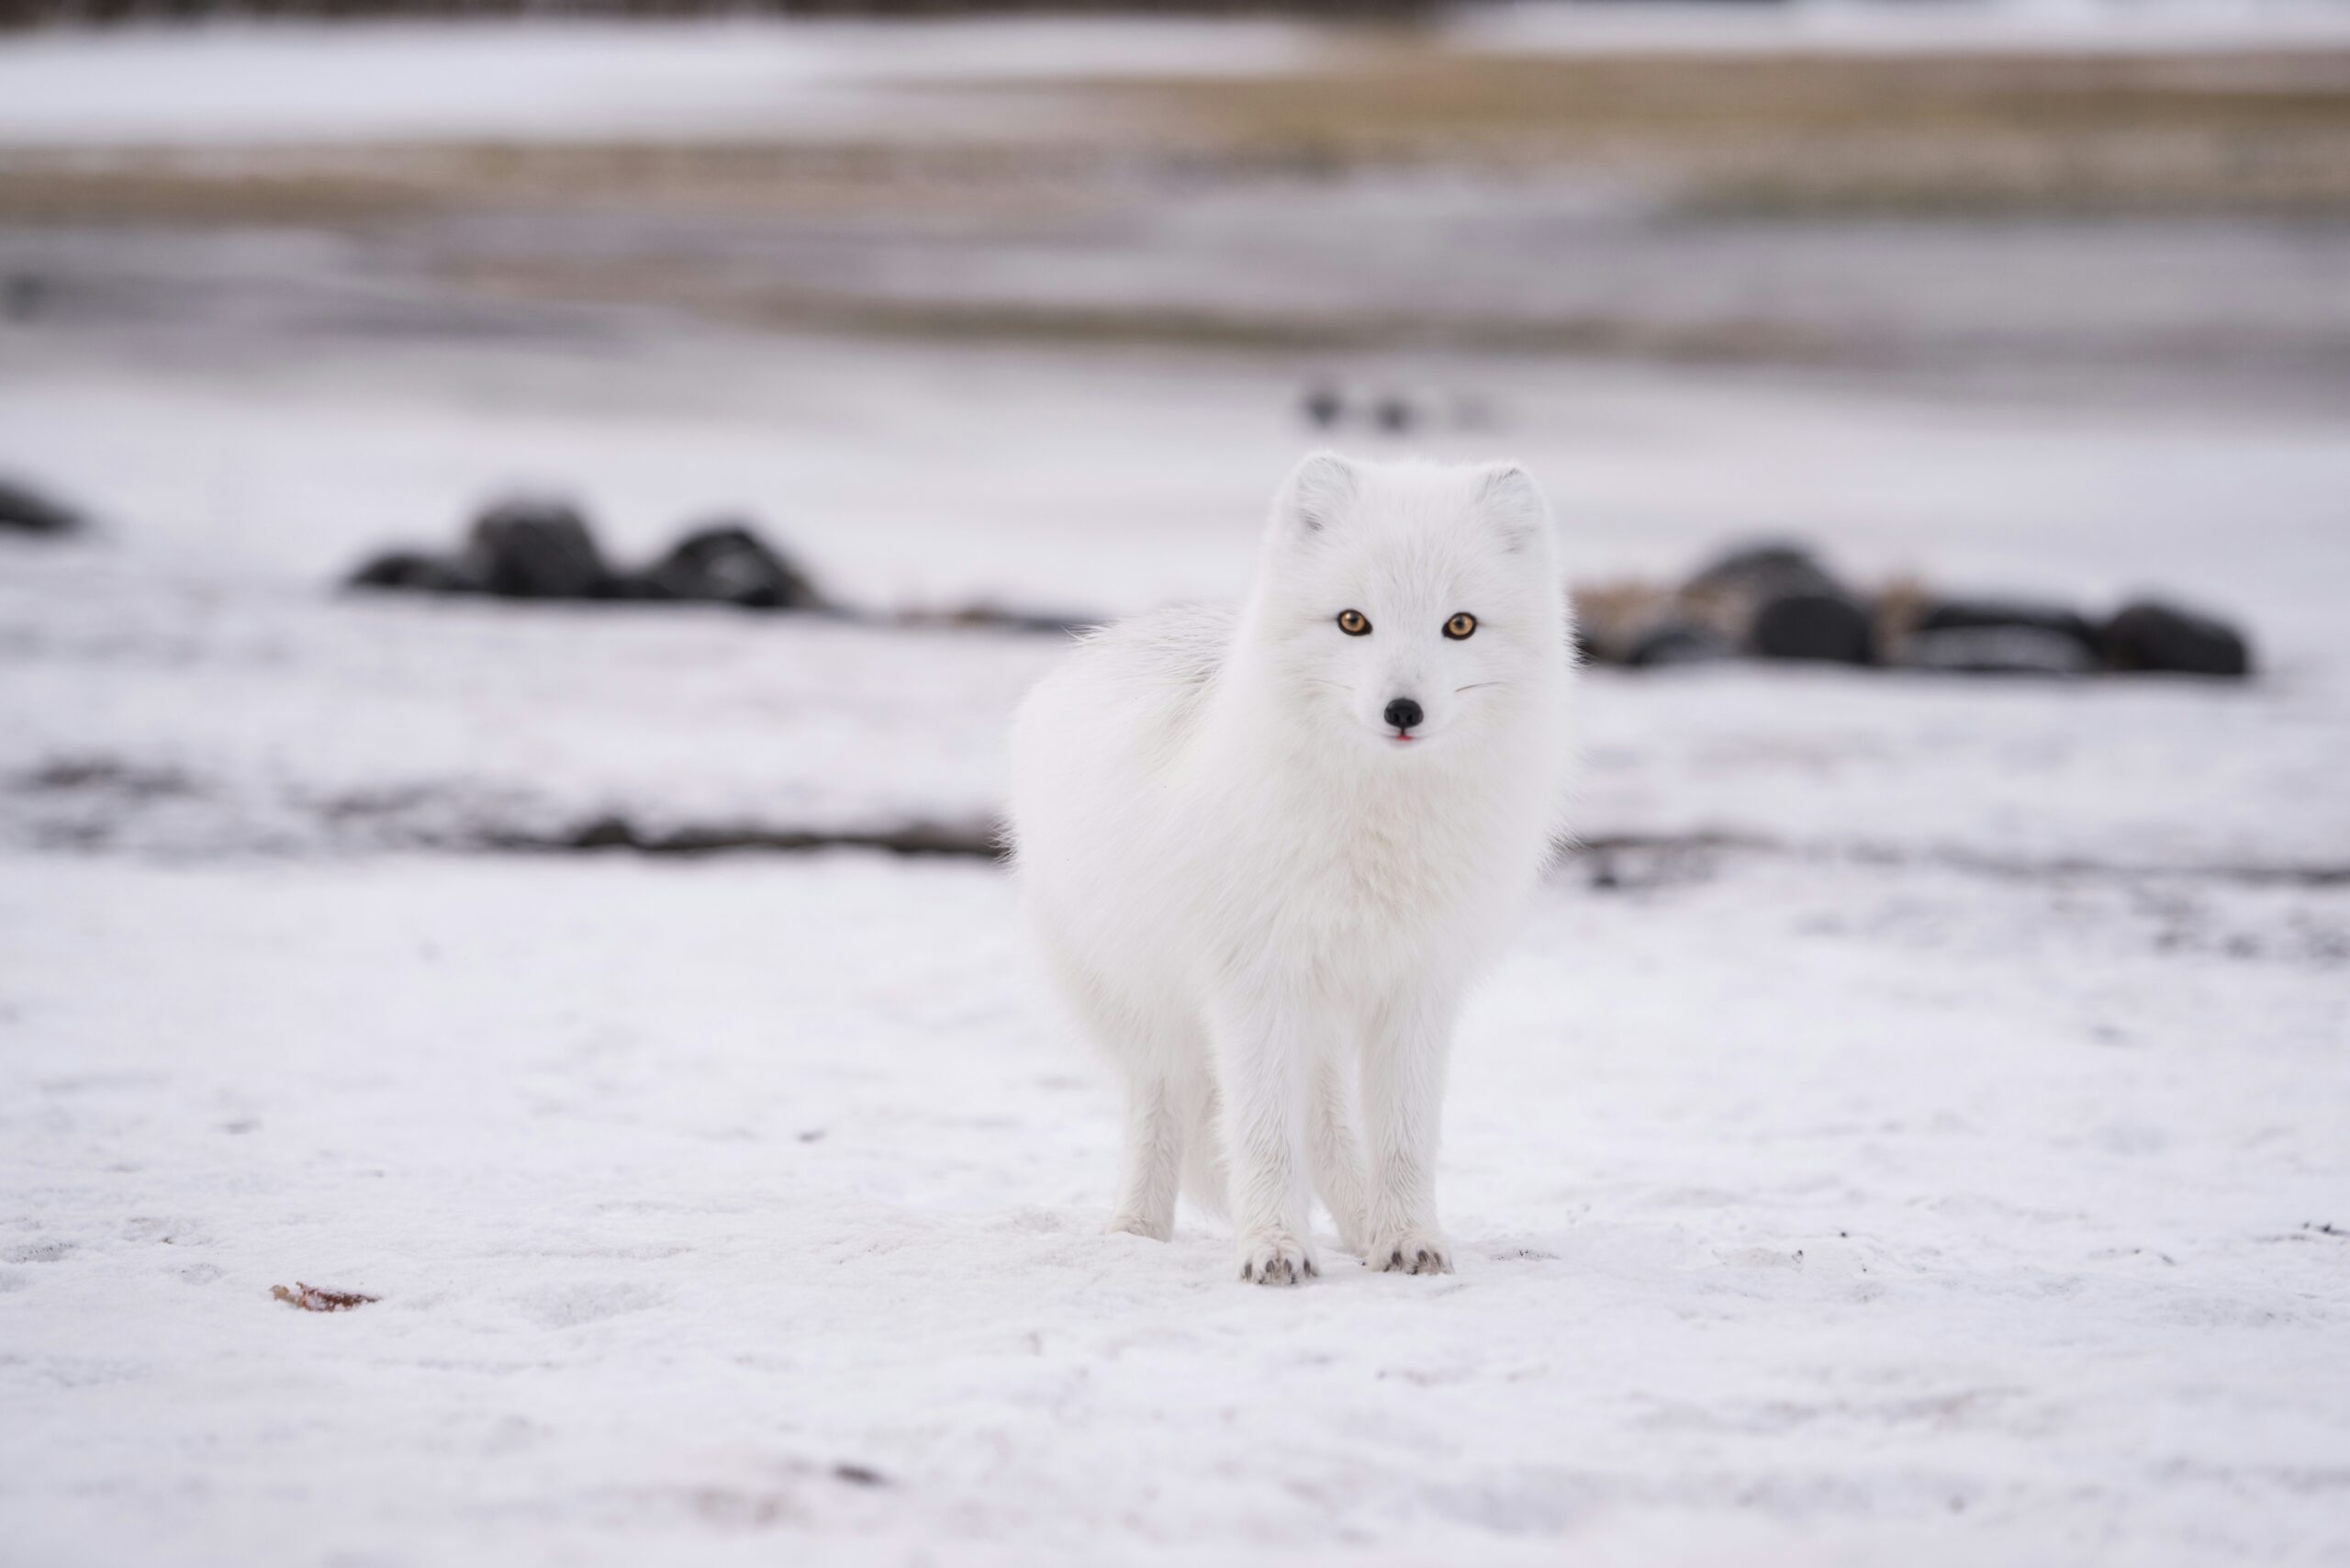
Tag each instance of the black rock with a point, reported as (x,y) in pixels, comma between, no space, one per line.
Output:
(632,585)
(1394,414)
(1782,604)
(1323,406)
(24,296)
(1678,642)
(2153,636)
(27,510)
(725,564)
(1807,625)
(416,571)
(1972,614)
(1998,650)
(1763,569)
(535,549)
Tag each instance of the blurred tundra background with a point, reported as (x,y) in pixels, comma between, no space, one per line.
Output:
(521,530)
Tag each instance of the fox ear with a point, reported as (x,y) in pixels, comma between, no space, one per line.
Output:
(1315,494)
(1509,497)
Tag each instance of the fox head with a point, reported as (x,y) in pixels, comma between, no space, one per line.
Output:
(1410,606)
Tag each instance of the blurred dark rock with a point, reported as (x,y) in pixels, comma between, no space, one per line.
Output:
(1832,626)
(725,562)
(2152,636)
(1678,642)
(418,571)
(1326,405)
(1986,614)
(23,298)
(26,510)
(534,548)
(1763,569)
(633,588)
(1775,600)
(1998,650)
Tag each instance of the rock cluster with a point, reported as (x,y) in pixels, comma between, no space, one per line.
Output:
(1326,405)
(1775,599)
(539,548)
(1766,599)
(542,549)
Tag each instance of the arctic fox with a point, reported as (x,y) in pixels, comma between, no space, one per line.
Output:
(1265,853)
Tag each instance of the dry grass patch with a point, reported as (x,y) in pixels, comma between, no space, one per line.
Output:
(1808,131)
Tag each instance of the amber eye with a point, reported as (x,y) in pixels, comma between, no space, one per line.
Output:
(1353,623)
(1461,626)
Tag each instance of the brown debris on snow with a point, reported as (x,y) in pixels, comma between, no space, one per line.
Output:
(309,1298)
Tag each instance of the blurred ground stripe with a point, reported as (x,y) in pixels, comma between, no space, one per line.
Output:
(1612,860)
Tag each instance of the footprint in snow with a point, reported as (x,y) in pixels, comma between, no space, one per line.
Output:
(568,1306)
(40,1252)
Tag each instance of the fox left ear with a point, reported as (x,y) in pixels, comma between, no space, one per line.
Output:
(1509,497)
(1317,491)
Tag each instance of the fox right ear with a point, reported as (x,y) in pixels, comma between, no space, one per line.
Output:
(1316,493)
(1510,496)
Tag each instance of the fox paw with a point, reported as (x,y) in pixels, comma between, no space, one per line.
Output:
(1414,1252)
(1276,1259)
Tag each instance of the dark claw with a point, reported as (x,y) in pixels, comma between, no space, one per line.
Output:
(1280,1270)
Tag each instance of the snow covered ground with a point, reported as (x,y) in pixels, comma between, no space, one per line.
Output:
(2038,27)
(1805,1214)
(1947,1175)
(307,84)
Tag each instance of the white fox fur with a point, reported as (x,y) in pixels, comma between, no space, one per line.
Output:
(1263,899)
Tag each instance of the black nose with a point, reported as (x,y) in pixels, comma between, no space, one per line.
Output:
(1403,713)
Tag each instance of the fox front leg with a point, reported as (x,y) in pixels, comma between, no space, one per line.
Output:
(1265,1053)
(1406,1049)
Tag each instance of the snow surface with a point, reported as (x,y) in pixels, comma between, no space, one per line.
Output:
(1803,1215)
(1953,1174)
(1873,26)
(317,84)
